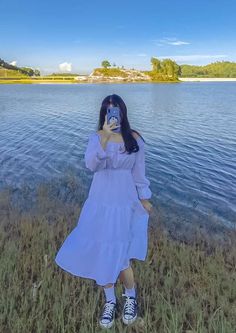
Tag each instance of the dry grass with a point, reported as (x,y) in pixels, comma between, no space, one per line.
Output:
(180,287)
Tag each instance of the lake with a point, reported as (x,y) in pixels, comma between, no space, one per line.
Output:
(189,129)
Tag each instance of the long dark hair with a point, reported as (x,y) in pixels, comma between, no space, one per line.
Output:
(130,142)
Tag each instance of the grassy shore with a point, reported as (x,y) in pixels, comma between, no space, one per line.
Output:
(28,81)
(181,287)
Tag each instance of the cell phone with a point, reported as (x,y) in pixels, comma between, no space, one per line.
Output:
(113,116)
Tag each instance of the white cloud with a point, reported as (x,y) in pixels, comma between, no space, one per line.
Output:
(179,42)
(142,55)
(13,63)
(194,58)
(65,67)
(169,41)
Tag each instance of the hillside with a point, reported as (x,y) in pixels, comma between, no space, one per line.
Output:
(11,73)
(218,69)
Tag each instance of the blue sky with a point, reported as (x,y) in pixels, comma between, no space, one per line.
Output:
(76,35)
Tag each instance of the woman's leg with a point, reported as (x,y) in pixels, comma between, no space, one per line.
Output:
(127,277)
(109,290)
(129,313)
(107,316)
(108,285)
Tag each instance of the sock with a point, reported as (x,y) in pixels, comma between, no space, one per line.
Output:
(110,294)
(130,291)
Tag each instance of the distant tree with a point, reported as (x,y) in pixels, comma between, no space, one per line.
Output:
(37,72)
(114,65)
(28,70)
(122,67)
(179,71)
(165,67)
(156,64)
(168,67)
(106,64)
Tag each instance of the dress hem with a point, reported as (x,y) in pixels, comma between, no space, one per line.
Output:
(93,278)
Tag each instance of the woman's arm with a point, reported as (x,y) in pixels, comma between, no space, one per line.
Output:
(95,155)
(139,172)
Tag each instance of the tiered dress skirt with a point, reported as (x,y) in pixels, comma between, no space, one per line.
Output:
(113,224)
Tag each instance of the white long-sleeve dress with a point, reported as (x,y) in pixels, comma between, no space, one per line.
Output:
(113,224)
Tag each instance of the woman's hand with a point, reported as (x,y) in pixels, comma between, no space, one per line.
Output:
(147,205)
(107,128)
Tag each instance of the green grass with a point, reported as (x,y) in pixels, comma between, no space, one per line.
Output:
(181,287)
(110,72)
(9,73)
(15,81)
(29,81)
(157,77)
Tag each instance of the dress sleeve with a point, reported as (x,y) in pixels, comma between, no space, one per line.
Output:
(138,172)
(95,156)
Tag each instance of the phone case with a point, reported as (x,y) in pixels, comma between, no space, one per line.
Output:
(113,114)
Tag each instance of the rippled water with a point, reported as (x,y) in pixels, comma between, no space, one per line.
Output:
(189,129)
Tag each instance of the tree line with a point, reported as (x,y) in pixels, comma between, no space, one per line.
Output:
(161,69)
(216,69)
(169,68)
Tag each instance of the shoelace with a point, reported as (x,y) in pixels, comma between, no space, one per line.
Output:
(129,304)
(108,309)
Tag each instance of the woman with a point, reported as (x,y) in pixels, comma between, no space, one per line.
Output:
(112,227)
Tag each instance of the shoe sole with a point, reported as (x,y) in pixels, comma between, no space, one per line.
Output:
(108,325)
(129,321)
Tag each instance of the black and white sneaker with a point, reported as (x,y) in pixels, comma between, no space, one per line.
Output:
(130,310)
(108,315)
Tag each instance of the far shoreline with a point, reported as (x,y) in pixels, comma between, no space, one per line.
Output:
(207,79)
(185,79)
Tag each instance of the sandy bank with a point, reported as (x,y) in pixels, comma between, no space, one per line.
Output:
(206,79)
